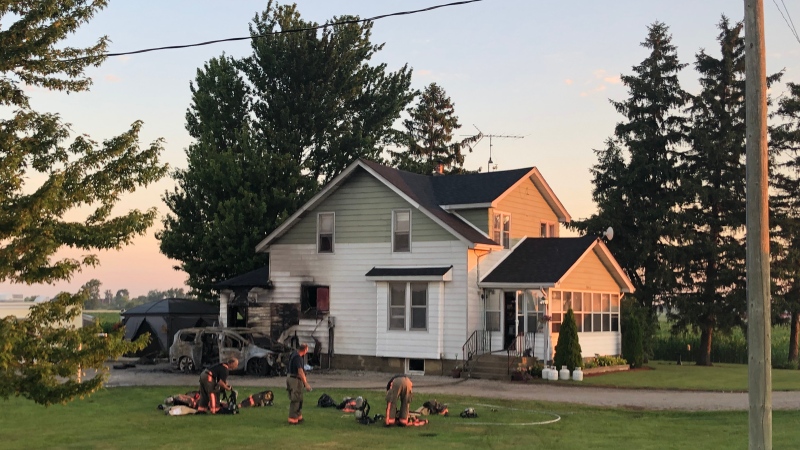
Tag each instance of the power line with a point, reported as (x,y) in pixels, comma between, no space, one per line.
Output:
(293,30)
(789,22)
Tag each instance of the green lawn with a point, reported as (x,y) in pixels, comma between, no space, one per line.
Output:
(668,375)
(126,418)
(103,316)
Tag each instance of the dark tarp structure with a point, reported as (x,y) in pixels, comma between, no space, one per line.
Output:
(163,318)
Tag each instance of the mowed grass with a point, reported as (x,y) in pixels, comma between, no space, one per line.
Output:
(126,418)
(689,376)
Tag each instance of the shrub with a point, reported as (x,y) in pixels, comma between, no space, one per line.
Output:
(568,349)
(632,339)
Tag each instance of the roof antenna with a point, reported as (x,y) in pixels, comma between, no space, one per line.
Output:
(490,136)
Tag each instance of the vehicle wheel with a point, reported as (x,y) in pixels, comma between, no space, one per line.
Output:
(258,367)
(185,364)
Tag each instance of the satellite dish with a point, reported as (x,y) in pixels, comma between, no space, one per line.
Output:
(609,233)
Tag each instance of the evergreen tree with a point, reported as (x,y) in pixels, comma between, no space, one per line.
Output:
(39,357)
(711,248)
(632,333)
(785,206)
(269,130)
(568,348)
(636,177)
(429,133)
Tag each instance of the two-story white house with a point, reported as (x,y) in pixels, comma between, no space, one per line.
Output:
(390,270)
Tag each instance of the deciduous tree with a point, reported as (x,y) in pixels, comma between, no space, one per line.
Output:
(269,130)
(48,175)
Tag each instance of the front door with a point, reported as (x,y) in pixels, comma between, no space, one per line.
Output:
(509,318)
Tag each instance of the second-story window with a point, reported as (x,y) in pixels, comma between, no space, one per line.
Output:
(401,231)
(547,229)
(325,232)
(501,226)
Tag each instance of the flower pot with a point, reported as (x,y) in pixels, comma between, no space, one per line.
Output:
(455,373)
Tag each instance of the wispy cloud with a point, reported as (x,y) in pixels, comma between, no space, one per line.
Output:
(423,72)
(124,58)
(111,78)
(598,81)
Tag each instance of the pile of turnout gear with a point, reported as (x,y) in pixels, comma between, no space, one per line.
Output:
(357,405)
(183,404)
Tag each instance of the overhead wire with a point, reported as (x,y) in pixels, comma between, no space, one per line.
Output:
(789,22)
(291,30)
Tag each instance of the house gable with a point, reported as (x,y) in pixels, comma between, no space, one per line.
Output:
(528,209)
(590,274)
(363,206)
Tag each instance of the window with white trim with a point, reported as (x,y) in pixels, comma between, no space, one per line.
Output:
(493,309)
(547,229)
(408,299)
(401,231)
(325,232)
(501,229)
(595,312)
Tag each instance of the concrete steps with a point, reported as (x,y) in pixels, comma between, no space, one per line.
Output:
(493,366)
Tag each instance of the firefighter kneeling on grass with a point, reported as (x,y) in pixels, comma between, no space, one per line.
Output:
(213,381)
(399,390)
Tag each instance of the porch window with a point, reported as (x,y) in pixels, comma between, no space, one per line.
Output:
(501,229)
(401,231)
(325,232)
(594,311)
(408,300)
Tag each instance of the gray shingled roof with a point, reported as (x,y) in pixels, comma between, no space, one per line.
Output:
(408,271)
(431,191)
(254,278)
(540,260)
(169,306)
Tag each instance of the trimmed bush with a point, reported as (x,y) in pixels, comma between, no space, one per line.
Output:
(632,340)
(568,349)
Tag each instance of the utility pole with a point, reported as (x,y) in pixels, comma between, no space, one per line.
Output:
(490,136)
(759,358)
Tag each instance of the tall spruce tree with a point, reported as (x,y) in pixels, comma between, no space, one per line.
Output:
(636,177)
(40,356)
(711,247)
(429,135)
(785,207)
(269,130)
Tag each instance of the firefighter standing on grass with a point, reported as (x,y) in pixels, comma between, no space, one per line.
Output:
(295,382)
(212,382)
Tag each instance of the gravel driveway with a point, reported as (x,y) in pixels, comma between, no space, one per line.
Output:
(161,375)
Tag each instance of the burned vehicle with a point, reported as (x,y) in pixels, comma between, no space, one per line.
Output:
(196,348)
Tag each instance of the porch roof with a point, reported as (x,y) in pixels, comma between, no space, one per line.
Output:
(252,279)
(443,273)
(539,261)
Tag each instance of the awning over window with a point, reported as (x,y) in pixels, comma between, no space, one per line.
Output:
(411,273)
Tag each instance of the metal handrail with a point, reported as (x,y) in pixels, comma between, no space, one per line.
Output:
(478,343)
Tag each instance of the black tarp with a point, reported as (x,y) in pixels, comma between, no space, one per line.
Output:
(163,318)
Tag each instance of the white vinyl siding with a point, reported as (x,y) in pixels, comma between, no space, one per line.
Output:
(360,306)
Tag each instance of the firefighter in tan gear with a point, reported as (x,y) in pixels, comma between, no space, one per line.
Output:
(398,390)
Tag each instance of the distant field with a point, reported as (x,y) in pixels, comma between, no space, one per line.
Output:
(104,315)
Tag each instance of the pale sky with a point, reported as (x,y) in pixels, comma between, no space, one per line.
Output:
(542,70)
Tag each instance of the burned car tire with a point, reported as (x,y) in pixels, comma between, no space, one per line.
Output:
(258,366)
(186,365)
